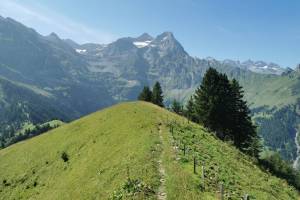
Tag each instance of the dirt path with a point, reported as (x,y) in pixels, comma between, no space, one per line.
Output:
(162,195)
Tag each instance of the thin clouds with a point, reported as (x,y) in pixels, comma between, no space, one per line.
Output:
(46,21)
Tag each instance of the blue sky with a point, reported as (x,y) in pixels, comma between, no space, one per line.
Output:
(266,30)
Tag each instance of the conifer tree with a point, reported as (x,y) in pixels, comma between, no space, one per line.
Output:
(244,131)
(213,103)
(219,106)
(176,107)
(145,95)
(157,95)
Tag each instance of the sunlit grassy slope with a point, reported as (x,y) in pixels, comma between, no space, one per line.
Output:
(272,90)
(106,147)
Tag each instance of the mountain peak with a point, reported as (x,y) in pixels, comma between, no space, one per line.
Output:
(262,67)
(121,46)
(144,37)
(53,35)
(166,35)
(168,45)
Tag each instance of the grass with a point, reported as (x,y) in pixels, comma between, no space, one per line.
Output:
(224,164)
(272,91)
(100,147)
(107,147)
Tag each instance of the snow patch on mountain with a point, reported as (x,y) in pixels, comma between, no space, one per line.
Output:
(262,67)
(81,51)
(266,68)
(141,44)
(165,38)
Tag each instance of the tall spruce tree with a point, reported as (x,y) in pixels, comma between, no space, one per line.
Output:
(145,95)
(213,103)
(157,95)
(244,131)
(219,106)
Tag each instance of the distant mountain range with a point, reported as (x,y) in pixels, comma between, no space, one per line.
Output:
(46,77)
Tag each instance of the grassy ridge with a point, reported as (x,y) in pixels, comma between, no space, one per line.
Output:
(102,146)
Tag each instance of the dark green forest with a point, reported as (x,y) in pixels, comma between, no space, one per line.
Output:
(278,128)
(21,105)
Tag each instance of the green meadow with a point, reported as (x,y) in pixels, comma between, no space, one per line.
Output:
(96,156)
